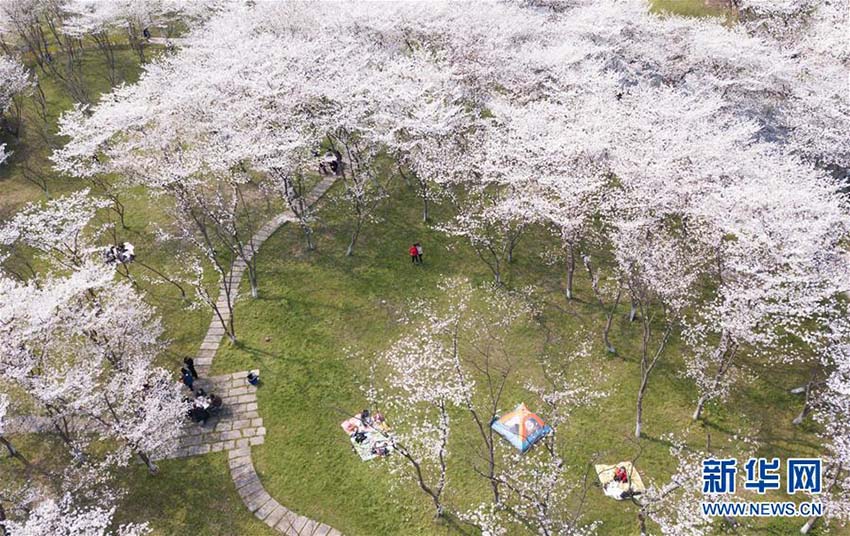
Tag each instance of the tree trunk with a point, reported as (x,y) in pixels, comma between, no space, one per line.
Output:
(425,214)
(354,235)
(511,246)
(798,420)
(812,520)
(119,209)
(13,452)
(571,268)
(252,277)
(698,411)
(808,525)
(608,322)
(639,413)
(420,478)
(105,46)
(647,365)
(63,433)
(721,371)
(152,468)
(226,323)
(308,236)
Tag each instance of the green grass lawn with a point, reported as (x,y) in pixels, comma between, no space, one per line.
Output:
(185,327)
(317,309)
(189,496)
(689,8)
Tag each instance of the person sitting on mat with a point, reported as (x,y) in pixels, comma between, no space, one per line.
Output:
(620,475)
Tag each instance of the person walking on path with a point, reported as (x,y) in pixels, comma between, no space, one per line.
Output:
(187,378)
(418,252)
(190,366)
(414,254)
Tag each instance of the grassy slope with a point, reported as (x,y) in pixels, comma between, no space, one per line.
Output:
(688,8)
(191,496)
(184,328)
(314,307)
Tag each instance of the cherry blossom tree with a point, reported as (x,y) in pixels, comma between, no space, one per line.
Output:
(102,19)
(831,412)
(492,223)
(93,363)
(56,231)
(540,488)
(4,407)
(15,83)
(675,506)
(38,25)
(423,375)
(458,355)
(215,203)
(63,517)
(657,276)
(783,269)
(219,222)
(83,347)
(538,493)
(292,187)
(426,120)
(433,371)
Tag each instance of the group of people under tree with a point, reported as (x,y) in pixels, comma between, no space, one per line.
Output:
(203,404)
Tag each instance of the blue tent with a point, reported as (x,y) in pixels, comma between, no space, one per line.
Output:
(521,427)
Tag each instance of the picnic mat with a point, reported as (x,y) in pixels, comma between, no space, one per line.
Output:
(364,449)
(617,490)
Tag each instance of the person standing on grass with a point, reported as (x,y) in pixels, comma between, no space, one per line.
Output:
(187,378)
(414,254)
(190,366)
(418,252)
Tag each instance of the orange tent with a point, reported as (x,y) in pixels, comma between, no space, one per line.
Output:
(521,427)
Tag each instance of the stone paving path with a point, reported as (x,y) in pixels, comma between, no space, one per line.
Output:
(239,426)
(271,512)
(28,424)
(165,41)
(210,344)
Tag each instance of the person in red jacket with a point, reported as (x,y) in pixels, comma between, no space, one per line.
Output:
(620,475)
(414,254)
